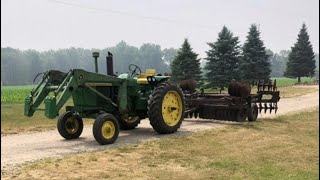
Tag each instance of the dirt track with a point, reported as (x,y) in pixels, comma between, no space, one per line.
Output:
(19,149)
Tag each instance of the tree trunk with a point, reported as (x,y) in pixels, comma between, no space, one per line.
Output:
(299,80)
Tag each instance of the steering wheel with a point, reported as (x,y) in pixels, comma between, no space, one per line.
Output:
(134,70)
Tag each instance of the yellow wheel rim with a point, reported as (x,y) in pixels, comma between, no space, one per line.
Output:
(72,125)
(108,129)
(172,108)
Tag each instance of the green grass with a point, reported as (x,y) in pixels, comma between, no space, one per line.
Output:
(283,148)
(283,81)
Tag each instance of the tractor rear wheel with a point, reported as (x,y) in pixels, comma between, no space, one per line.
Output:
(253,112)
(70,125)
(166,108)
(105,129)
(127,122)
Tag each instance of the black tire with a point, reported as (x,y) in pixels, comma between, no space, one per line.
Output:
(155,108)
(129,122)
(253,112)
(241,115)
(70,125)
(105,129)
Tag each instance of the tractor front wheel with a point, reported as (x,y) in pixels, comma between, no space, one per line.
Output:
(166,108)
(105,129)
(70,125)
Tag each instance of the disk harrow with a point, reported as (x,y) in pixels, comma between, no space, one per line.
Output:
(238,105)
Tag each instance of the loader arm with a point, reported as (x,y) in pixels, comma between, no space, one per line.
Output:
(50,83)
(57,87)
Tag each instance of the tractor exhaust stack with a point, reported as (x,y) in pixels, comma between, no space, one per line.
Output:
(110,64)
(96,55)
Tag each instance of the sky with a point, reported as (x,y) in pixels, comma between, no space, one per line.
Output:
(54,24)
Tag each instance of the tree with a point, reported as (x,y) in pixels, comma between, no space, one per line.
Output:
(255,64)
(223,60)
(317,66)
(20,67)
(168,56)
(186,64)
(301,60)
(278,63)
(150,57)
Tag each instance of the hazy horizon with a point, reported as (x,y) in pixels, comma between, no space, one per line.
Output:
(53,24)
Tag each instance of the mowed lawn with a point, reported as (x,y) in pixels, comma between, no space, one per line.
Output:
(283,81)
(283,148)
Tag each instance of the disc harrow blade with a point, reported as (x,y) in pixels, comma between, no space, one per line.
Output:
(271,107)
(265,107)
(267,85)
(260,107)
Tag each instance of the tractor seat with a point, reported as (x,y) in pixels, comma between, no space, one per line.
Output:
(142,78)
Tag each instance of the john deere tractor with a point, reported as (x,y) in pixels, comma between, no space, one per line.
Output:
(115,102)
(120,102)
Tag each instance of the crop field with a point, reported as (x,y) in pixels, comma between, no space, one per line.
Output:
(14,94)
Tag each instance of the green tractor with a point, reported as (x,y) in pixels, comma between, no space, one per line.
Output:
(115,102)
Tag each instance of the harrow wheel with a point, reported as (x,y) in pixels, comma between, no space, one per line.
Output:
(241,115)
(166,108)
(105,129)
(70,125)
(127,122)
(253,112)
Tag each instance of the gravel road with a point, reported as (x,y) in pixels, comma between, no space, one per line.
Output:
(22,148)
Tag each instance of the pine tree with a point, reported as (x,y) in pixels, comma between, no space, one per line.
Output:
(301,60)
(223,60)
(255,64)
(186,64)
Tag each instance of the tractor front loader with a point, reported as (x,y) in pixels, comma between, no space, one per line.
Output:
(115,102)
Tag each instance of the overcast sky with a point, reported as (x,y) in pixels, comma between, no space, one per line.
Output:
(54,24)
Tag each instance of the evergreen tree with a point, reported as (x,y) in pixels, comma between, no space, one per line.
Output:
(223,60)
(255,64)
(186,64)
(301,60)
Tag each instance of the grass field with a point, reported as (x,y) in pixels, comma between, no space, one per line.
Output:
(282,81)
(283,148)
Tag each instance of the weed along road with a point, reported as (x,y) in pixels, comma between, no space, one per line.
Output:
(21,148)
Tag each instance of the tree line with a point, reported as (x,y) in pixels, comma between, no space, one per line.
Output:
(20,67)
(226,59)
